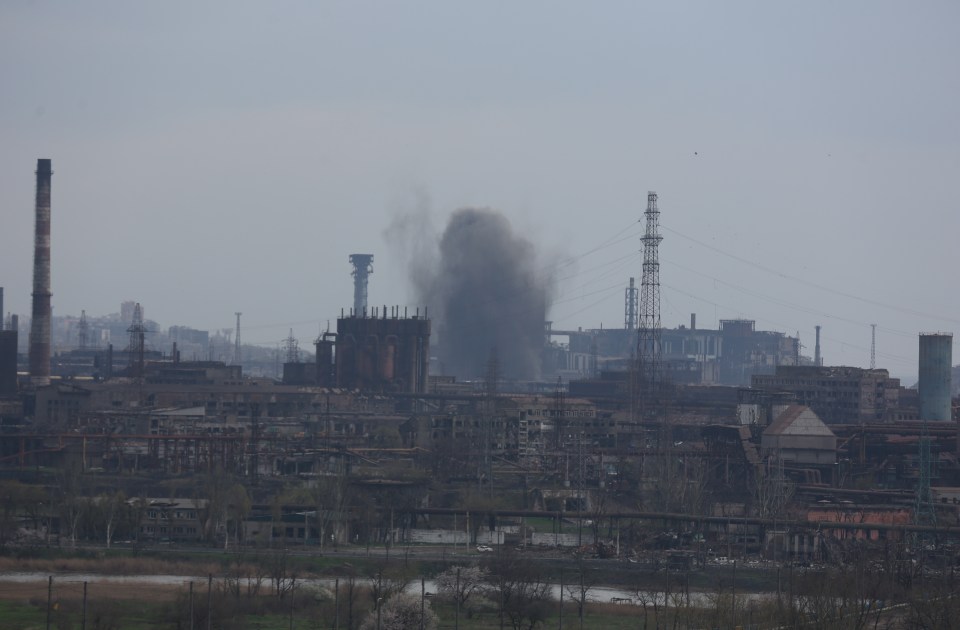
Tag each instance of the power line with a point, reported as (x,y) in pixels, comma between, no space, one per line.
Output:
(786,276)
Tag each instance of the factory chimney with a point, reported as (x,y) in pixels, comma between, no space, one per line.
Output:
(817,359)
(1,309)
(630,307)
(41,316)
(936,355)
(362,268)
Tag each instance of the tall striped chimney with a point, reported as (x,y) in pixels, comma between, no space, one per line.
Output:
(41,316)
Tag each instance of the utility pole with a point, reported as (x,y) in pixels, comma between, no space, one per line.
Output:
(49,599)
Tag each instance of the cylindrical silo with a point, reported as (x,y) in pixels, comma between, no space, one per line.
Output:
(936,354)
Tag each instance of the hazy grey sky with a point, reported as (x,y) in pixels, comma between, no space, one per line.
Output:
(212,157)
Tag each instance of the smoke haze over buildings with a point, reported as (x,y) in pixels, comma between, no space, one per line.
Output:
(485,288)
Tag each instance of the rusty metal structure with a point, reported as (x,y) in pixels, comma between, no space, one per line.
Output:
(41,314)
(386,351)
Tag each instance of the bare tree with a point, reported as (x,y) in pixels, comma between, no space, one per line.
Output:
(71,501)
(114,508)
(579,590)
(459,584)
(520,588)
(329,497)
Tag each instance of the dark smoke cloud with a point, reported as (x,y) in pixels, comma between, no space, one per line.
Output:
(484,290)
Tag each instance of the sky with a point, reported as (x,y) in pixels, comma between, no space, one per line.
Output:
(218,157)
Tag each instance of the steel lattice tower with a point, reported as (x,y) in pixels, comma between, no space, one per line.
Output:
(873,346)
(135,351)
(649,366)
(83,330)
(292,348)
(924,511)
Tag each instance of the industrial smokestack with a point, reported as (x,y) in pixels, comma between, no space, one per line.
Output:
(362,268)
(817,360)
(630,315)
(1,309)
(41,316)
(693,321)
(936,355)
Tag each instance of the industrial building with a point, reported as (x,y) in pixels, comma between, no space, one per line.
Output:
(729,355)
(387,351)
(838,395)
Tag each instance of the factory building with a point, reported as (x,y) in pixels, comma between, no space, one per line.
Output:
(382,352)
(839,394)
(729,355)
(798,437)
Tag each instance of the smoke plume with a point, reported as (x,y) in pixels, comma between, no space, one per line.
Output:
(485,293)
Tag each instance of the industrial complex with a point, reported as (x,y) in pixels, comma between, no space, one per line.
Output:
(624,442)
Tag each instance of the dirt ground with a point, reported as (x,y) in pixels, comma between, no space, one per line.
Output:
(66,587)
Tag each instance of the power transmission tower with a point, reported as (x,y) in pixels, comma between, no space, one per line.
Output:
(649,368)
(873,346)
(487,419)
(83,329)
(924,511)
(135,351)
(292,348)
(237,358)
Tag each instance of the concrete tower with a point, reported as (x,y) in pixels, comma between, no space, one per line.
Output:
(936,355)
(42,314)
